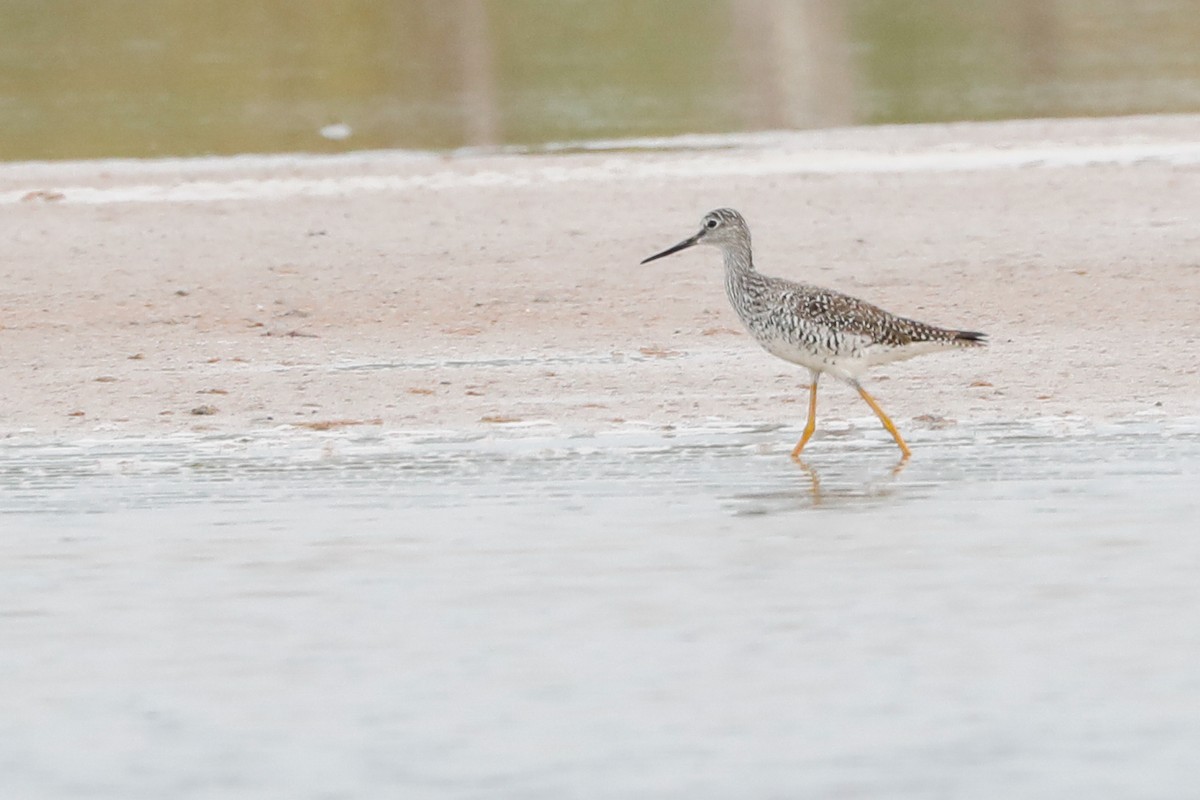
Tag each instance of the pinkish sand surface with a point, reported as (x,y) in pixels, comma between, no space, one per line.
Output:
(417,291)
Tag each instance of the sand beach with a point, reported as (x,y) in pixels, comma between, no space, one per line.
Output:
(422,291)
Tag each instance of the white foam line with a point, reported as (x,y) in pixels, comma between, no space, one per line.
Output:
(532,170)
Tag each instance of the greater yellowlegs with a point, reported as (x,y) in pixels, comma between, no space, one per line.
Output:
(823,330)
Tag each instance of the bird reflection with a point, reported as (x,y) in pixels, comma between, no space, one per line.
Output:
(847,491)
(842,485)
(814,479)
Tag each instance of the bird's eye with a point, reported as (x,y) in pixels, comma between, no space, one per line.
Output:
(710,223)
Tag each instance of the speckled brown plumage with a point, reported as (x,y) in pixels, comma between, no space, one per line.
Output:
(823,330)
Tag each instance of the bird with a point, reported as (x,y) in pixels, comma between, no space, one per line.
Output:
(828,332)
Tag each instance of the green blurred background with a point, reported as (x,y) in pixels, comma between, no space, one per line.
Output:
(98,78)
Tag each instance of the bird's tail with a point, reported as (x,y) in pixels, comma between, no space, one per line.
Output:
(970,338)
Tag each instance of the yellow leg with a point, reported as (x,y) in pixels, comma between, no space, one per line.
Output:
(812,420)
(887,423)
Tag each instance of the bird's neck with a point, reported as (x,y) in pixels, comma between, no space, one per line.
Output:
(738,261)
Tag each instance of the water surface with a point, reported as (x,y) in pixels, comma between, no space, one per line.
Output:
(126,78)
(1015,613)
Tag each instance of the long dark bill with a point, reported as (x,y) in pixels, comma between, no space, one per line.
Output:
(685,244)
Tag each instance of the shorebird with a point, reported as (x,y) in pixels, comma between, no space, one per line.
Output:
(826,331)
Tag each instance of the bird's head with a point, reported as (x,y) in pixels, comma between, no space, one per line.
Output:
(722,228)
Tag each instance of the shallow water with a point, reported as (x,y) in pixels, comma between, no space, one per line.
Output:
(646,613)
(119,78)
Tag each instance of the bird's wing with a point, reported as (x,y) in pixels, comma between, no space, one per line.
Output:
(856,317)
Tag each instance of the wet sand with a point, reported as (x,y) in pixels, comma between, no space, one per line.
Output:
(480,290)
